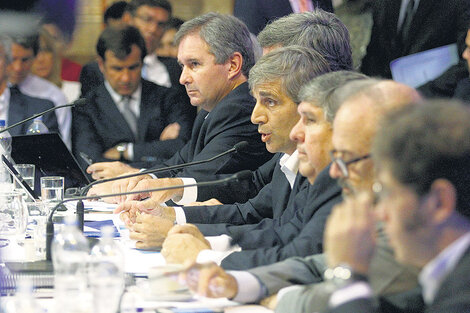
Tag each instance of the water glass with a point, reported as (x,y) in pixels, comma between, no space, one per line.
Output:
(13,217)
(27,172)
(52,188)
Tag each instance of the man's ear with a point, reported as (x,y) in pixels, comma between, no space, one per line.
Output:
(445,199)
(235,64)
(100,64)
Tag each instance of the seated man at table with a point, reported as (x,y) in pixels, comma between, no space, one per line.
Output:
(16,106)
(423,159)
(126,116)
(355,125)
(216,54)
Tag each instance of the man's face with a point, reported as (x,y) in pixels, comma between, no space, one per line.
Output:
(123,75)
(150,21)
(275,114)
(22,60)
(206,82)
(352,138)
(312,133)
(466,52)
(166,48)
(404,217)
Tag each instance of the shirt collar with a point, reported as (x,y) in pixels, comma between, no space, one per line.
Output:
(117,97)
(290,166)
(435,272)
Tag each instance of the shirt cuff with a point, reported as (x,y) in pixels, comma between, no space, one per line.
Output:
(281,293)
(130,151)
(189,193)
(221,243)
(355,291)
(250,289)
(180,217)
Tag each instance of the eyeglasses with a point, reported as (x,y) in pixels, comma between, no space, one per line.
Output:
(343,165)
(149,20)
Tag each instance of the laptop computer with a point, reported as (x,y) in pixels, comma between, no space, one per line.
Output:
(51,157)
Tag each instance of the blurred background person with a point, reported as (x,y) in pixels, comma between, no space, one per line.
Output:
(167,47)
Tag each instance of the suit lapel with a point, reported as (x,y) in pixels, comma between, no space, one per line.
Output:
(146,105)
(106,104)
(422,11)
(16,112)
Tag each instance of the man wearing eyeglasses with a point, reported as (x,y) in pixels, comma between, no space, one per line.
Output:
(354,128)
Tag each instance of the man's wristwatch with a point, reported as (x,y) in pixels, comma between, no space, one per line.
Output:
(343,275)
(121,148)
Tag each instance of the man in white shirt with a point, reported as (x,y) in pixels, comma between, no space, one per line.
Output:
(24,50)
(423,158)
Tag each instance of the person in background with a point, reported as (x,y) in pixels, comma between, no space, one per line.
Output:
(15,106)
(24,51)
(114,13)
(167,47)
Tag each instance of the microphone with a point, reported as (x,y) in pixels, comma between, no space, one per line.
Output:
(243,175)
(78,102)
(242,145)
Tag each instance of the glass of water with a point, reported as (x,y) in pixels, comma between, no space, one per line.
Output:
(27,172)
(13,217)
(52,189)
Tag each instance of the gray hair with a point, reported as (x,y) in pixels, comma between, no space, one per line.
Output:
(293,66)
(224,34)
(320,30)
(329,91)
(5,43)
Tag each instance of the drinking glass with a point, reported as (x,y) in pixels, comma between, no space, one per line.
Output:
(13,217)
(52,189)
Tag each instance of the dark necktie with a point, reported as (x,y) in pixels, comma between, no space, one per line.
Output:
(406,25)
(128,114)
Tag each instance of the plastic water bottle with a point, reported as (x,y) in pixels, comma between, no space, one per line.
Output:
(5,149)
(24,300)
(37,127)
(106,273)
(70,258)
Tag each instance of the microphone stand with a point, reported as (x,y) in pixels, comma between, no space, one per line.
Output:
(50,225)
(237,147)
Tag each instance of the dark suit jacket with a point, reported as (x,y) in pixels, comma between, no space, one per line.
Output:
(462,91)
(215,132)
(436,23)
(270,202)
(257,13)
(297,232)
(22,106)
(99,125)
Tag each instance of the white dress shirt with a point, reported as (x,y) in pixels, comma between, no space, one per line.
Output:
(4,104)
(155,71)
(134,106)
(35,86)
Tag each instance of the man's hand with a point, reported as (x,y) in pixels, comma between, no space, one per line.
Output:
(182,248)
(130,209)
(210,280)
(149,231)
(189,229)
(128,184)
(350,234)
(212,201)
(270,302)
(171,131)
(104,170)
(114,154)
(158,196)
(102,189)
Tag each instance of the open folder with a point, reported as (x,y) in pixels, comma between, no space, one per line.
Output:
(417,69)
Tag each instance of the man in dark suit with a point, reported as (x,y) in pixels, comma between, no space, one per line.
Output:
(422,152)
(257,13)
(15,106)
(215,69)
(126,116)
(150,18)
(387,276)
(432,24)
(463,87)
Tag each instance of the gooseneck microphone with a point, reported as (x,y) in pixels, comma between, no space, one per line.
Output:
(78,102)
(242,145)
(243,175)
